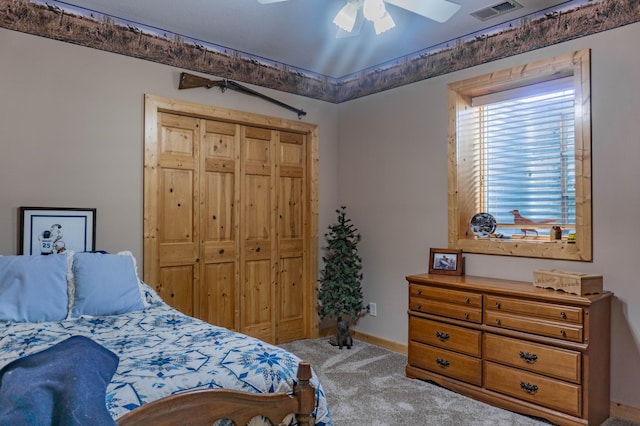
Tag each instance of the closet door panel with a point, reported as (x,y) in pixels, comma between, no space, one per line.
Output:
(291,318)
(257,208)
(292,148)
(176,189)
(290,291)
(290,208)
(175,287)
(291,294)
(256,305)
(219,224)
(177,183)
(219,298)
(257,256)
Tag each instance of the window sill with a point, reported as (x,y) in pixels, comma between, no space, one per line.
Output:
(523,248)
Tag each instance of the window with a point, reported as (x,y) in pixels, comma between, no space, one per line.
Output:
(520,150)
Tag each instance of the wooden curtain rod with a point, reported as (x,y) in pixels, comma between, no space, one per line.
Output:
(190,81)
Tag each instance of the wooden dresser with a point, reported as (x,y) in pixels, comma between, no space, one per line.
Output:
(530,350)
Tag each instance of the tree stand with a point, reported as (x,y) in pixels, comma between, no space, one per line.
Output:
(342,336)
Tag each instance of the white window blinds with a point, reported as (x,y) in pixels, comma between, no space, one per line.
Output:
(521,143)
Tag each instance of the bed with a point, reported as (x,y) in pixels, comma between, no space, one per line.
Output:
(46,300)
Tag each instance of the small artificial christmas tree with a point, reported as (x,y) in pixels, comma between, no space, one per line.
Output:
(340,292)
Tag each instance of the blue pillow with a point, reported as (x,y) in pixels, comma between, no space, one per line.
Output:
(105,284)
(33,288)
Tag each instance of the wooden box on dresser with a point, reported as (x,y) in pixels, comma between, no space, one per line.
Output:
(526,349)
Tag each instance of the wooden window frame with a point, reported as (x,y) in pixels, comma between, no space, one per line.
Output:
(462,202)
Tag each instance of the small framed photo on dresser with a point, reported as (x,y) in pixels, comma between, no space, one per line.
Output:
(446,261)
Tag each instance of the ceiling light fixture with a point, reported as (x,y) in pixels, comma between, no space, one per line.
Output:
(376,12)
(373,10)
(349,19)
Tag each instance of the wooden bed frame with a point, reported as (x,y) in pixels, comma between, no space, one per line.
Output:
(203,407)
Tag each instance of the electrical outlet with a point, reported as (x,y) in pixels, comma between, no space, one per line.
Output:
(373,309)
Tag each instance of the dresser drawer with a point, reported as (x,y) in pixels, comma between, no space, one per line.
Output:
(449,310)
(446,336)
(559,363)
(452,296)
(557,330)
(556,394)
(447,363)
(550,311)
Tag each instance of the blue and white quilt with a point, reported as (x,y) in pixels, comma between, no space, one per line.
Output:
(163,351)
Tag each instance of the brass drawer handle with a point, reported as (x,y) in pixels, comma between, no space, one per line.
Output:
(563,315)
(467,300)
(442,362)
(466,315)
(564,333)
(498,321)
(528,357)
(442,336)
(419,292)
(497,305)
(419,306)
(528,387)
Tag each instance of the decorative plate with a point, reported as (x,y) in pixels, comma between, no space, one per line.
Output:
(483,225)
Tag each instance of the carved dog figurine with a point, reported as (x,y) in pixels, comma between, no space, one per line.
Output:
(343,335)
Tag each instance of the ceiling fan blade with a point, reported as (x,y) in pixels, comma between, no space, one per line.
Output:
(438,10)
(270,1)
(356,28)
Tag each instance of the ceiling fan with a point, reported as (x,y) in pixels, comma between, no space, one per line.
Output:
(376,12)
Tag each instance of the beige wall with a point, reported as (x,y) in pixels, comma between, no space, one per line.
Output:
(71,135)
(393,177)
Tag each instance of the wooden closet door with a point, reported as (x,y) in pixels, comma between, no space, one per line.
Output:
(230,217)
(219,198)
(258,243)
(176,180)
(291,291)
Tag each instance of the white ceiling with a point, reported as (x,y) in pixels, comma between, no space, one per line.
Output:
(300,33)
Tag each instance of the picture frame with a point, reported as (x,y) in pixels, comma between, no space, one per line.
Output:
(445,261)
(49,230)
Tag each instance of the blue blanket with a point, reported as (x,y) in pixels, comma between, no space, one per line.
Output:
(63,385)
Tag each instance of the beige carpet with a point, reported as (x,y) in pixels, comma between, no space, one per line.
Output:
(366,385)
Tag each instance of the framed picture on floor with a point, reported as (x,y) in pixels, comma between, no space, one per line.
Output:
(50,230)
